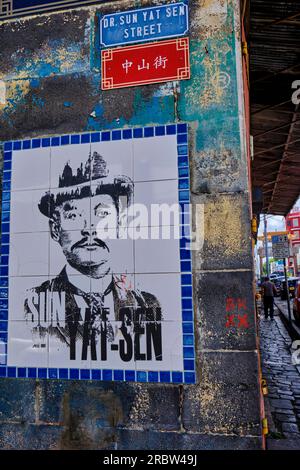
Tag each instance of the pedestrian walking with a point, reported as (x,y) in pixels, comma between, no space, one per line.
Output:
(268,292)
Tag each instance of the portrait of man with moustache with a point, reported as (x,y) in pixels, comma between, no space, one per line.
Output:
(86,197)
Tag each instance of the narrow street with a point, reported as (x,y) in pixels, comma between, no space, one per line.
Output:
(282,404)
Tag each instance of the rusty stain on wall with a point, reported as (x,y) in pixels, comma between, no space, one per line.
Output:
(231,221)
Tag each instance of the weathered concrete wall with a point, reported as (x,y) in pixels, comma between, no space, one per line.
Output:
(51,69)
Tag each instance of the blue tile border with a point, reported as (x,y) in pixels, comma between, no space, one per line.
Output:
(187,375)
(75,139)
(130,375)
(65,140)
(137,133)
(46,142)
(74,374)
(96,374)
(9,147)
(36,143)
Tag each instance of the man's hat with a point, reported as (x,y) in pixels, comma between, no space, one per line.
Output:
(88,181)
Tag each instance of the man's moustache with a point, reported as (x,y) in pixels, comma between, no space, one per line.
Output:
(85,242)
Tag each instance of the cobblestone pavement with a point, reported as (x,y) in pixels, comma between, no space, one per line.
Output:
(283,381)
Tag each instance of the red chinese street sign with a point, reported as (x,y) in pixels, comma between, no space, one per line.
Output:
(146,63)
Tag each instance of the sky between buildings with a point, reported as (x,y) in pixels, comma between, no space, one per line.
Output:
(275,223)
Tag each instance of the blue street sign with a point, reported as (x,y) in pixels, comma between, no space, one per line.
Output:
(280,246)
(145,24)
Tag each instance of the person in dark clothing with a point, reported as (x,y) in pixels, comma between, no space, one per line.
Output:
(268,292)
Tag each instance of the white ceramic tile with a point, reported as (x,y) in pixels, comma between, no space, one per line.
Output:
(111,210)
(107,333)
(171,348)
(156,192)
(121,254)
(31,169)
(79,282)
(64,296)
(57,259)
(118,156)
(59,353)
(157,256)
(155,158)
(166,288)
(73,155)
(26,348)
(156,203)
(29,254)
(25,215)
(120,351)
(121,283)
(25,300)
(69,296)
(64,249)
(155,232)
(111,254)
(73,213)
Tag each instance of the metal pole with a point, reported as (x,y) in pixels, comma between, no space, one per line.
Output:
(287,291)
(261,266)
(266,244)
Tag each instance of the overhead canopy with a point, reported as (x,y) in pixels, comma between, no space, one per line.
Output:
(274,42)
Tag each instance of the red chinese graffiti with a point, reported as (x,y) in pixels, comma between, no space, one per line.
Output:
(230,321)
(236,315)
(243,321)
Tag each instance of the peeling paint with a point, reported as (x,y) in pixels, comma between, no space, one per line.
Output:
(2,93)
(16,92)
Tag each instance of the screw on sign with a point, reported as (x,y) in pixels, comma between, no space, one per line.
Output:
(144,64)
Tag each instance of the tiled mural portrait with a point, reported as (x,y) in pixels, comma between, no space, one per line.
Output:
(95,284)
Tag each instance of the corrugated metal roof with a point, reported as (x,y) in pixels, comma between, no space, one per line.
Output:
(274,43)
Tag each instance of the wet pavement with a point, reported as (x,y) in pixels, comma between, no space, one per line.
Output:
(282,404)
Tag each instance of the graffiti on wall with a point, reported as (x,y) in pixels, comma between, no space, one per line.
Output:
(237,313)
(96,263)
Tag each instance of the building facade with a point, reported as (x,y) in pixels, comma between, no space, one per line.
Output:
(293,228)
(50,76)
